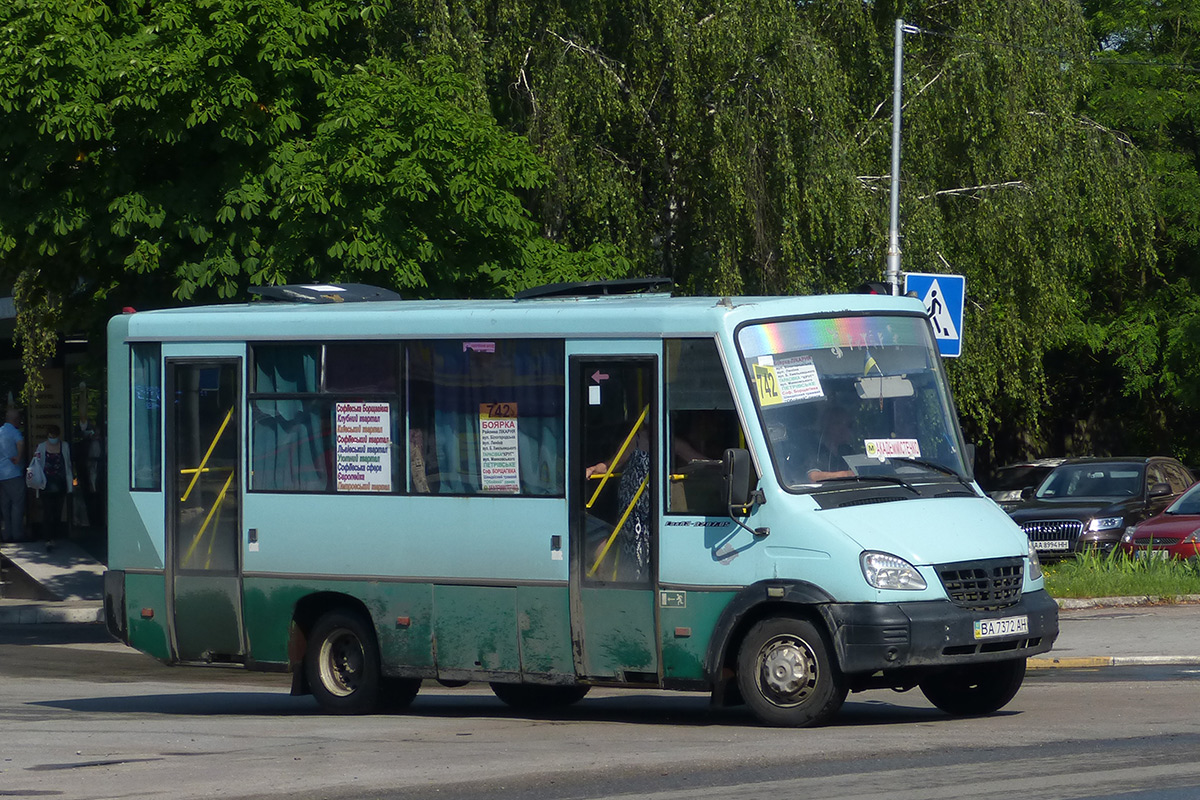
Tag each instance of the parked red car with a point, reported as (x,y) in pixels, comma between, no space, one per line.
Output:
(1175,533)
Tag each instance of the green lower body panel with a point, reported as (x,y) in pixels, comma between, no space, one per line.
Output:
(688,620)
(146,609)
(431,629)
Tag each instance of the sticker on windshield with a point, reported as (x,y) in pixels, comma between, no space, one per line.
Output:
(767,384)
(787,380)
(893,448)
(798,379)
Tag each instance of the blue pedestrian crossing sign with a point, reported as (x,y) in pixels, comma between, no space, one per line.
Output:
(943,298)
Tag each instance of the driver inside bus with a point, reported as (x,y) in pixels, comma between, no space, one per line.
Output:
(836,442)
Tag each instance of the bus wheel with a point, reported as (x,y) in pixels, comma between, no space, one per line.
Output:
(786,675)
(398,693)
(342,664)
(975,689)
(532,697)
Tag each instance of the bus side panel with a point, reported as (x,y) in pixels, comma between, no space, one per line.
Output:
(404,621)
(544,623)
(475,628)
(688,620)
(402,614)
(146,601)
(268,605)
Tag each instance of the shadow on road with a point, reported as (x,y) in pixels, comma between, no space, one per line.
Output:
(628,708)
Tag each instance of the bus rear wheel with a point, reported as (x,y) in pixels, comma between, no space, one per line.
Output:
(975,689)
(532,697)
(342,664)
(786,675)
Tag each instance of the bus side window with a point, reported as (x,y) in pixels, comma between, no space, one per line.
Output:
(486,417)
(702,424)
(146,423)
(304,397)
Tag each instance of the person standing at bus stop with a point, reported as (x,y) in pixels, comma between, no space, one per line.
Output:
(12,477)
(55,456)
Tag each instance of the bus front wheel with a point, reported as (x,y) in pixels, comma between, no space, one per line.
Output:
(342,664)
(786,675)
(975,689)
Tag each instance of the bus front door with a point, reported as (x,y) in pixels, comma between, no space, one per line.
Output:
(614,532)
(204,509)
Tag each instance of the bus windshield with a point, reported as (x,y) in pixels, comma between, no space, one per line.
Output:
(849,398)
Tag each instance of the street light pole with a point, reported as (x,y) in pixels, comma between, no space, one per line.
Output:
(893,253)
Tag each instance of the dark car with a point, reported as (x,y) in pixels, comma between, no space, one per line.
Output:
(1088,503)
(1007,484)
(1175,533)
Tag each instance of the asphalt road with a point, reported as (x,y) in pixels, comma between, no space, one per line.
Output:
(84,718)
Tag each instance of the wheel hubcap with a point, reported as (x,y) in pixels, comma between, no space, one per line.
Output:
(342,660)
(788,671)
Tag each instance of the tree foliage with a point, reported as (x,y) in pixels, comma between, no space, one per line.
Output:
(186,149)
(1148,87)
(471,147)
(743,145)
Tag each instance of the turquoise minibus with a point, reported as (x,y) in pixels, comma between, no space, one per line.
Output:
(764,498)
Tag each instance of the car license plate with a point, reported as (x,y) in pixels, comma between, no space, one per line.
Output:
(1158,555)
(1053,544)
(1009,626)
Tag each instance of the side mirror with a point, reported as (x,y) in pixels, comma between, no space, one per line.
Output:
(738,494)
(1027,493)
(1160,490)
(736,465)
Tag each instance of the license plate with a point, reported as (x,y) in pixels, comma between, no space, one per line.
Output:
(1158,555)
(1053,544)
(1009,626)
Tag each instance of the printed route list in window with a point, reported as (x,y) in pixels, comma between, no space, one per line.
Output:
(364,444)
(498,448)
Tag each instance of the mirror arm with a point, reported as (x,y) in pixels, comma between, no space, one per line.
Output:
(757,497)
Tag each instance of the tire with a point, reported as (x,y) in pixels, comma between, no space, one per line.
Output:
(533,697)
(342,664)
(975,689)
(397,694)
(786,675)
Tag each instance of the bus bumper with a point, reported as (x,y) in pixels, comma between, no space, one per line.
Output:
(870,637)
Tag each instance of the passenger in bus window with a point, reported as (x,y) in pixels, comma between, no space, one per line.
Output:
(633,490)
(418,461)
(834,445)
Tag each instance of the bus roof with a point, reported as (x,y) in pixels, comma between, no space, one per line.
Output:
(590,317)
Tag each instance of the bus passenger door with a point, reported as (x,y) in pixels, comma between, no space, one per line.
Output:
(615,478)
(204,509)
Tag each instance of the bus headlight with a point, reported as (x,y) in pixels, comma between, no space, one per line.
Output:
(885,571)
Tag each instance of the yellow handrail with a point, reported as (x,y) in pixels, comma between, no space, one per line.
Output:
(204,460)
(620,524)
(608,473)
(213,510)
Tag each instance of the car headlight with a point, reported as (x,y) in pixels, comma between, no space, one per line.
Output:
(885,571)
(1192,538)
(1035,564)
(1105,523)
(1129,532)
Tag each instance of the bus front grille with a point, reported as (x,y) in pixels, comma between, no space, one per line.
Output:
(983,585)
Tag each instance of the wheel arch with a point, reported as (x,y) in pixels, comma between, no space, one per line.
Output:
(305,614)
(759,601)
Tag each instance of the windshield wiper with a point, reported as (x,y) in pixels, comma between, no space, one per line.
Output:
(884,478)
(933,465)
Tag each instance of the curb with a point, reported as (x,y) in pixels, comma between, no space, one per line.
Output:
(1074,603)
(1091,662)
(50,613)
